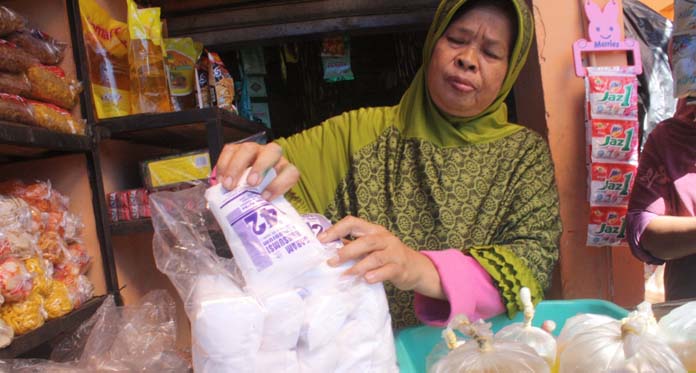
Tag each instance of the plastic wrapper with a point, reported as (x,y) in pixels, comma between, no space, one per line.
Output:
(13,59)
(335,58)
(631,344)
(484,353)
(78,255)
(16,283)
(49,84)
(58,302)
(684,16)
(221,83)
(24,316)
(611,183)
(10,21)
(106,42)
(202,83)
(56,119)
(14,83)
(73,227)
(15,109)
(46,49)
(182,54)
(320,321)
(614,141)
(612,93)
(52,246)
(678,328)
(80,290)
(540,340)
(149,90)
(42,277)
(269,241)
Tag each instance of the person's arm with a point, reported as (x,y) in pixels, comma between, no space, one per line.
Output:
(670,237)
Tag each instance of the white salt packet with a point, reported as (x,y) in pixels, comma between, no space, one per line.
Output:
(270,242)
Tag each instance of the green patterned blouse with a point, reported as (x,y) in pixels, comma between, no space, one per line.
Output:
(495,200)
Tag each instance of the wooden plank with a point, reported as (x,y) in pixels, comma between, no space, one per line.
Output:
(124,228)
(282,20)
(35,137)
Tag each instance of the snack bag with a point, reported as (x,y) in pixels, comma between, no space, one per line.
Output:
(24,316)
(14,83)
(49,84)
(10,21)
(47,50)
(222,84)
(56,119)
(270,242)
(607,226)
(203,99)
(15,281)
(106,41)
(614,141)
(613,93)
(182,54)
(335,57)
(15,109)
(611,183)
(13,59)
(148,78)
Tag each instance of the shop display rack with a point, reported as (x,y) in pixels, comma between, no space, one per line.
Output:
(21,142)
(53,328)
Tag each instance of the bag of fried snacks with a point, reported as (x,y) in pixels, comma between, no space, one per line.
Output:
(48,83)
(46,49)
(56,119)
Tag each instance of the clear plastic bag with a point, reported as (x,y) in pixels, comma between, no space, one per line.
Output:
(49,84)
(678,328)
(46,49)
(13,59)
(484,353)
(540,340)
(10,21)
(631,344)
(281,330)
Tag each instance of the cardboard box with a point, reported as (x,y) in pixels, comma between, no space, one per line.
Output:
(171,171)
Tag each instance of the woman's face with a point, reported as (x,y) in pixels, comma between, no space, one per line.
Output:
(469,62)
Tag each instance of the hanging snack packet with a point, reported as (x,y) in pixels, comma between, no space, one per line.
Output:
(47,50)
(611,183)
(48,83)
(148,78)
(613,93)
(335,57)
(182,54)
(684,65)
(13,59)
(10,21)
(221,83)
(56,119)
(15,109)
(202,84)
(270,241)
(614,140)
(106,41)
(607,226)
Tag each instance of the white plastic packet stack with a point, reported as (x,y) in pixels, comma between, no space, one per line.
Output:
(294,313)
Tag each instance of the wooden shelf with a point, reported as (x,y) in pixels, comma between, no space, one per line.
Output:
(123,228)
(21,142)
(52,329)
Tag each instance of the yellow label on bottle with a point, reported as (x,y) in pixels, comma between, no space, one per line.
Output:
(110,102)
(179,170)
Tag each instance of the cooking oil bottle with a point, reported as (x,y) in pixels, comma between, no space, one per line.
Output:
(148,78)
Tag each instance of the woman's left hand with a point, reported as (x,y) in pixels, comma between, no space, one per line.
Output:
(381,256)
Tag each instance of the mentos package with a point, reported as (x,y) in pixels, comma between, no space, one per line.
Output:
(612,93)
(611,183)
(614,140)
(607,226)
(271,243)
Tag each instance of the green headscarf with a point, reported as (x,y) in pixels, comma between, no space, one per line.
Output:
(418,115)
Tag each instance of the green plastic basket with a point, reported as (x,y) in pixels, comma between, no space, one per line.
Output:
(414,344)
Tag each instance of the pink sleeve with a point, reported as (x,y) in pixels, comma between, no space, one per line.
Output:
(468,287)
(636,222)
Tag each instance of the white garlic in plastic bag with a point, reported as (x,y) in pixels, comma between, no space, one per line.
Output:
(541,341)
(679,330)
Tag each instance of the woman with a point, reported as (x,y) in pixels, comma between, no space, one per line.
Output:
(661,221)
(440,194)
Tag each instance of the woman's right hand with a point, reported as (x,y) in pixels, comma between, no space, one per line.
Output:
(236,158)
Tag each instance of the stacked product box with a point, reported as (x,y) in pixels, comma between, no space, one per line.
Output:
(612,151)
(129,205)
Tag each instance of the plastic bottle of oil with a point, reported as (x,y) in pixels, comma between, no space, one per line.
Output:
(148,78)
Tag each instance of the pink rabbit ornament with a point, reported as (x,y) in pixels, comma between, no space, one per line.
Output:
(605,36)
